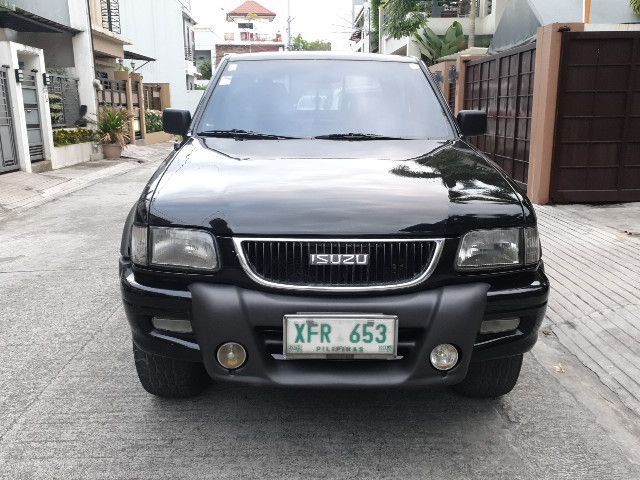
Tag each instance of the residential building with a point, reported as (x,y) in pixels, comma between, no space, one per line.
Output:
(108,40)
(249,27)
(443,14)
(162,50)
(46,76)
(205,38)
(362,32)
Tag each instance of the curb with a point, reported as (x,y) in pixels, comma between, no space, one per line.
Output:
(68,187)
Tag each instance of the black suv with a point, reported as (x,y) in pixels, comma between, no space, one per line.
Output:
(324,224)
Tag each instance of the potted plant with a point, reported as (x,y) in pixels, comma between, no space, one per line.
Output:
(113,130)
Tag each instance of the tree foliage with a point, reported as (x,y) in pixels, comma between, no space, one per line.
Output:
(375,24)
(205,70)
(402,18)
(299,43)
(434,47)
(635,5)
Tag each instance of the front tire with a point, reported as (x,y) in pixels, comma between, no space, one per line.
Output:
(165,377)
(490,378)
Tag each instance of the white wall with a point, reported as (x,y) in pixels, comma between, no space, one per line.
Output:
(154,28)
(56,10)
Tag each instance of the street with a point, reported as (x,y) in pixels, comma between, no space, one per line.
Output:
(71,405)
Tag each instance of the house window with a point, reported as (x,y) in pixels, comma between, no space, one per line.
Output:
(229,36)
(189,40)
(110,12)
(246,25)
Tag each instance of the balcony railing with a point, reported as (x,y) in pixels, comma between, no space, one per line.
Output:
(453,8)
(189,54)
(260,37)
(110,11)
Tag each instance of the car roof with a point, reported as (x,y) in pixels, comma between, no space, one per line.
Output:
(320,56)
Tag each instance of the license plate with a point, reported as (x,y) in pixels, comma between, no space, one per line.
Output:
(324,335)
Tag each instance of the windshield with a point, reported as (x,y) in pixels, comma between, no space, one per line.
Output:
(316,98)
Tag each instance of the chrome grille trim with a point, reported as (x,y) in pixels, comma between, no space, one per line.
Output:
(426,273)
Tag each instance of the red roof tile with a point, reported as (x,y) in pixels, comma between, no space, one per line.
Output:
(251,8)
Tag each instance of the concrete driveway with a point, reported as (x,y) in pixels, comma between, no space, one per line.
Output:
(71,406)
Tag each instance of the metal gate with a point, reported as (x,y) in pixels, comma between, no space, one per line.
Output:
(502,85)
(8,158)
(597,143)
(32,116)
(64,101)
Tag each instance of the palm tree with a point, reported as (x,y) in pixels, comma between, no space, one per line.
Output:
(472,24)
(433,47)
(403,17)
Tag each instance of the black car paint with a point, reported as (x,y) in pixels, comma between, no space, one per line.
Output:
(323,187)
(379,188)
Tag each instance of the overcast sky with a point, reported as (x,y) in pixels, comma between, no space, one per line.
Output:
(315,20)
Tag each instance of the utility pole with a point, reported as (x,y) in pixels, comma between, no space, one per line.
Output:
(289,20)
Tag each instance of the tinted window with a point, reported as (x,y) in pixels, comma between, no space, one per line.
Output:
(307,98)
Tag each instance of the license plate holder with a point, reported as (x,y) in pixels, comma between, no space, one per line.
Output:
(355,336)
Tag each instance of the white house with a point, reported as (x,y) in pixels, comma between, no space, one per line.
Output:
(46,74)
(161,34)
(205,39)
(362,28)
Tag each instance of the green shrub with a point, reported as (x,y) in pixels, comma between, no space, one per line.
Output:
(153,121)
(72,136)
(113,126)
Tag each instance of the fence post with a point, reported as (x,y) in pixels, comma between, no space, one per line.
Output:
(127,77)
(461,67)
(137,77)
(165,95)
(545,100)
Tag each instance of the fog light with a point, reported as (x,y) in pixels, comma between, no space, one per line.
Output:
(500,325)
(231,355)
(444,356)
(176,325)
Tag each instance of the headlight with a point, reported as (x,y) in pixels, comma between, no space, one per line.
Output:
(174,247)
(498,248)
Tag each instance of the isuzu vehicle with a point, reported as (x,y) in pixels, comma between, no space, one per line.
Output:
(324,223)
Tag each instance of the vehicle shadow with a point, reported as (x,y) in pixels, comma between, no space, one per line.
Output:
(379,432)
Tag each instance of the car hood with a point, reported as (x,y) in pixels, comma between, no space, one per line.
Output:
(325,187)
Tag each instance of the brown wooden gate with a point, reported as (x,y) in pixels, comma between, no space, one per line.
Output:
(597,141)
(502,85)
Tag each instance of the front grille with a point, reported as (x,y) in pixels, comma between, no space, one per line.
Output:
(285,262)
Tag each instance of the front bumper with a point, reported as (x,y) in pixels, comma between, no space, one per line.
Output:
(221,313)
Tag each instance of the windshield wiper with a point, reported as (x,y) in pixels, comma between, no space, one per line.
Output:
(356,136)
(243,134)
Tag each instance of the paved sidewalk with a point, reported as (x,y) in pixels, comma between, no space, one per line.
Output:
(20,191)
(594,265)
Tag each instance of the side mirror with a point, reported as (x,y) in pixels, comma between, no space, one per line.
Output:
(472,122)
(176,121)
